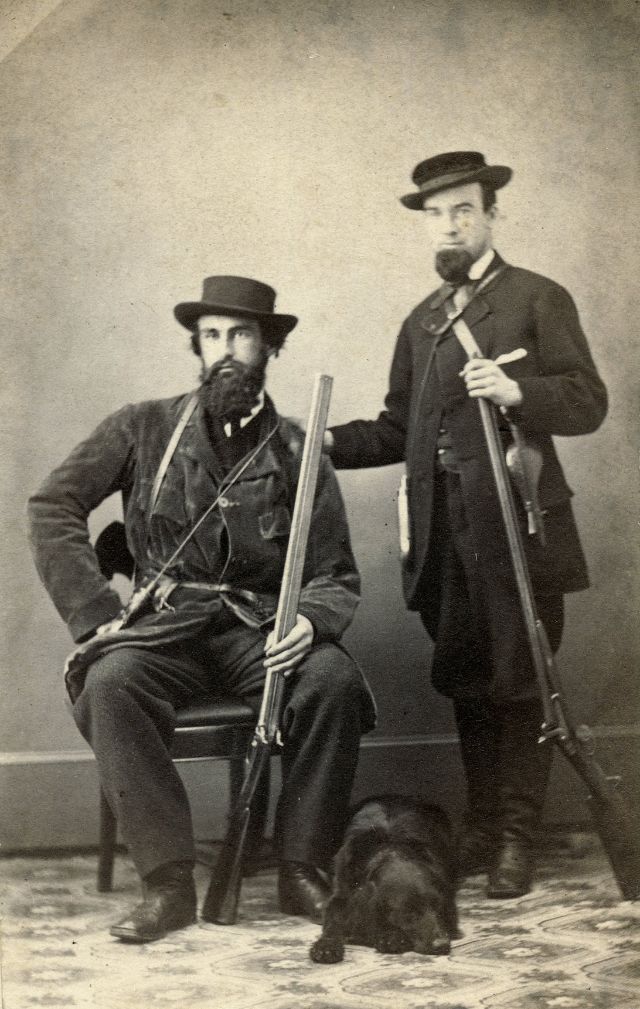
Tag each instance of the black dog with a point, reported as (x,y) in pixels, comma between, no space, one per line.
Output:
(394,884)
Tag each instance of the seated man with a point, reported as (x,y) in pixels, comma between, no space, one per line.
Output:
(206,629)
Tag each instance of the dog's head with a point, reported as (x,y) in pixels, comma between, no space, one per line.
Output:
(408,904)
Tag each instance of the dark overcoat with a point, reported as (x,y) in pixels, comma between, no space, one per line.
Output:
(562,395)
(241,545)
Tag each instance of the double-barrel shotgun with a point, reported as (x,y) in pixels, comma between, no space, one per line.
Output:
(221,901)
(617,824)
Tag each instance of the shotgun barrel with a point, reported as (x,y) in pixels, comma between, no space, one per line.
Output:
(221,901)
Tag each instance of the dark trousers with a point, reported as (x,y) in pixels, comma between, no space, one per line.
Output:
(506,767)
(126,712)
(472,611)
(482,661)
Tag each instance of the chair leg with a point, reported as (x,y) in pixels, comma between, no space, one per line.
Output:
(107,845)
(236,778)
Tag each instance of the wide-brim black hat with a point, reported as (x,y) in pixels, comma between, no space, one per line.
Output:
(239,296)
(453,169)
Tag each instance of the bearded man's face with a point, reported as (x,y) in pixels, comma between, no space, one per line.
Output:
(234,359)
(459,227)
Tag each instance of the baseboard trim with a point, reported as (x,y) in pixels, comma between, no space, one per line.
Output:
(50,796)
(25,757)
(21,758)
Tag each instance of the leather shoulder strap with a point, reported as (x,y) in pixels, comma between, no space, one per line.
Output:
(454,313)
(466,338)
(169,451)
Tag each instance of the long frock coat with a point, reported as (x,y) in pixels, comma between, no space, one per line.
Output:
(562,395)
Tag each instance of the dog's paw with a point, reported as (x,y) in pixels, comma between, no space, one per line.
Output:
(393,941)
(327,951)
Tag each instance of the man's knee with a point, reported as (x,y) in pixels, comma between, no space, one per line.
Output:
(117,670)
(330,672)
(116,682)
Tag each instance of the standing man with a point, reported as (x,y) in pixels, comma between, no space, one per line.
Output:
(457,572)
(207,627)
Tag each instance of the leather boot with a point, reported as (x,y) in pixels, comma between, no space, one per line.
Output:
(478,730)
(302,890)
(169,903)
(524,774)
(511,875)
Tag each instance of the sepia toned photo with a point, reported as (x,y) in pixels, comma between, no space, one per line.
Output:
(320,504)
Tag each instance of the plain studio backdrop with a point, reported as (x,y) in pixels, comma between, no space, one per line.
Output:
(146,144)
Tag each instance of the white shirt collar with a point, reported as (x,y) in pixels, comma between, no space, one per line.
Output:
(477,269)
(245,420)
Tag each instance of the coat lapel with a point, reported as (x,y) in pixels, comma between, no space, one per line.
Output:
(204,477)
(434,319)
(434,316)
(196,444)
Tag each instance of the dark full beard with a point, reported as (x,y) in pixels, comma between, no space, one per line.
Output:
(453,264)
(235,394)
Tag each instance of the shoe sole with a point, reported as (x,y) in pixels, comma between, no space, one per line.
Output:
(506,894)
(128,935)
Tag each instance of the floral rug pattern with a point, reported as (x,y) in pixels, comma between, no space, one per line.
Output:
(570,944)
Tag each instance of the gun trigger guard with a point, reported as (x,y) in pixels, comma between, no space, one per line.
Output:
(551,733)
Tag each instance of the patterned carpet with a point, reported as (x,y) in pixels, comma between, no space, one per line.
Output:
(570,944)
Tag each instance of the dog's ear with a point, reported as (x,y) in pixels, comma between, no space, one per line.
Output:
(368,889)
(352,861)
(363,913)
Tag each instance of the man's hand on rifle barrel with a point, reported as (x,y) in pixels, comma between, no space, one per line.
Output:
(487,379)
(301,422)
(284,656)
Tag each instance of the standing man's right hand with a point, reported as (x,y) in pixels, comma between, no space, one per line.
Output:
(327,441)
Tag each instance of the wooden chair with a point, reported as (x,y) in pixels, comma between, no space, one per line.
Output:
(216,729)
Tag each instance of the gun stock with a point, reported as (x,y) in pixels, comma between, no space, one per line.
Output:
(618,826)
(221,901)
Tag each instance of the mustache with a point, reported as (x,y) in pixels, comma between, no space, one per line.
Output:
(237,368)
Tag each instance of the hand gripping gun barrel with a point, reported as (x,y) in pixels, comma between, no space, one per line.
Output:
(221,901)
(617,825)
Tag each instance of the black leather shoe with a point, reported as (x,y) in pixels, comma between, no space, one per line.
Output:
(167,906)
(302,890)
(476,851)
(512,872)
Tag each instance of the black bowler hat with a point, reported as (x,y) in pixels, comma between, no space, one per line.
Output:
(238,296)
(454,169)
